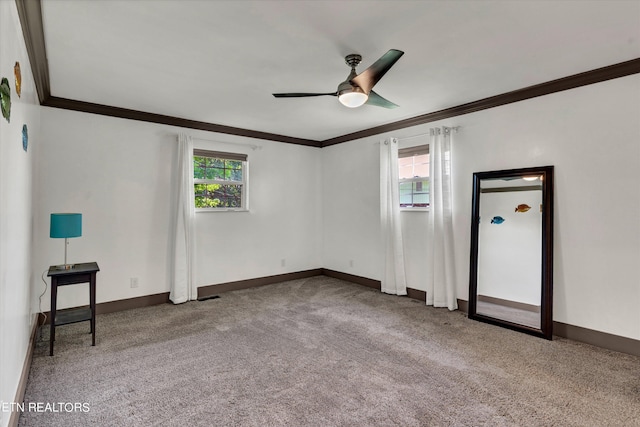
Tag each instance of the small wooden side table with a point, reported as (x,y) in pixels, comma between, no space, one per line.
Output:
(78,273)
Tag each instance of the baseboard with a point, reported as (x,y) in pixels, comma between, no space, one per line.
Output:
(123,304)
(24,376)
(597,338)
(584,335)
(417,294)
(371,283)
(359,280)
(209,290)
(205,291)
(129,303)
(509,303)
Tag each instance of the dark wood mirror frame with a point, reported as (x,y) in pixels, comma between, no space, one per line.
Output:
(546,303)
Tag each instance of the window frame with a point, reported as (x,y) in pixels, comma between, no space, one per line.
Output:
(412,152)
(244,183)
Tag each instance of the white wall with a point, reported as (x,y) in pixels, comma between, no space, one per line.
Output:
(283,223)
(350,208)
(118,174)
(592,136)
(16,213)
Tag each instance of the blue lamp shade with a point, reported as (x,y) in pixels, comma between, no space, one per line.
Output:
(65,225)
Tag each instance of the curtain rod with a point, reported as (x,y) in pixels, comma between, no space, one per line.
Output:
(453,128)
(252,146)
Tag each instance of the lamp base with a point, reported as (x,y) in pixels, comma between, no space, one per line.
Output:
(63,266)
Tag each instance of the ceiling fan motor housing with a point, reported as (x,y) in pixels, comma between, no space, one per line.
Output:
(346,86)
(353,60)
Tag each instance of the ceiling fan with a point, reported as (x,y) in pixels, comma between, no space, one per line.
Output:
(356,89)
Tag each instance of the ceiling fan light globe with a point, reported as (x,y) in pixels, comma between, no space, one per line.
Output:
(353,99)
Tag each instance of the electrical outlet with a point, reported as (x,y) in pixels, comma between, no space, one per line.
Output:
(133,282)
(283,262)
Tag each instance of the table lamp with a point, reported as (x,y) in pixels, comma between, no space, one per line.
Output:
(65,225)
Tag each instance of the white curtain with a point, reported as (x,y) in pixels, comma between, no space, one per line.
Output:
(182,284)
(440,262)
(393,276)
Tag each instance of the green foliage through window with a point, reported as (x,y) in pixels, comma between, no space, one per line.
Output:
(218,196)
(218,169)
(219,182)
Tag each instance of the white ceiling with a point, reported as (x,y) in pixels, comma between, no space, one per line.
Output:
(220,61)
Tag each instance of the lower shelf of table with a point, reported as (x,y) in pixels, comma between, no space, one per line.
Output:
(73,316)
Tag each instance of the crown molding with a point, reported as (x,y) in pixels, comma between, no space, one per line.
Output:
(582,79)
(124,113)
(30,13)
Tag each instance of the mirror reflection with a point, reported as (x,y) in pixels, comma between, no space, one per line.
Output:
(511,244)
(510,250)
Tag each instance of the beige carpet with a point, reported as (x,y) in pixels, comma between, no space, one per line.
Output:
(323,352)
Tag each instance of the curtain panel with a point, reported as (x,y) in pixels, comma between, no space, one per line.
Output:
(183,287)
(441,284)
(393,274)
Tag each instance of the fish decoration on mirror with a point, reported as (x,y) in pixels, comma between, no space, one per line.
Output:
(522,207)
(5,98)
(25,137)
(497,220)
(18,75)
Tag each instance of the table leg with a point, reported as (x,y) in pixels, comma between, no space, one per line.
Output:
(52,314)
(92,303)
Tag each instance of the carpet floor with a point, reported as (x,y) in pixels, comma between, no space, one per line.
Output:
(321,352)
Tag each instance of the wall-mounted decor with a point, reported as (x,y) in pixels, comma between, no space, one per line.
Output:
(25,137)
(497,220)
(523,207)
(5,98)
(18,75)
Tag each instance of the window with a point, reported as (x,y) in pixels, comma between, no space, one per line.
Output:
(413,167)
(220,180)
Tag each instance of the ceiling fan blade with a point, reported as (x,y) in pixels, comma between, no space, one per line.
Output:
(378,101)
(302,95)
(369,77)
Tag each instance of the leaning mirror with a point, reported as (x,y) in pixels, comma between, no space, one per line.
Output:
(511,272)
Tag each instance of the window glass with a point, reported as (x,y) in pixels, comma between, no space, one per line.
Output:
(413,174)
(219,181)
